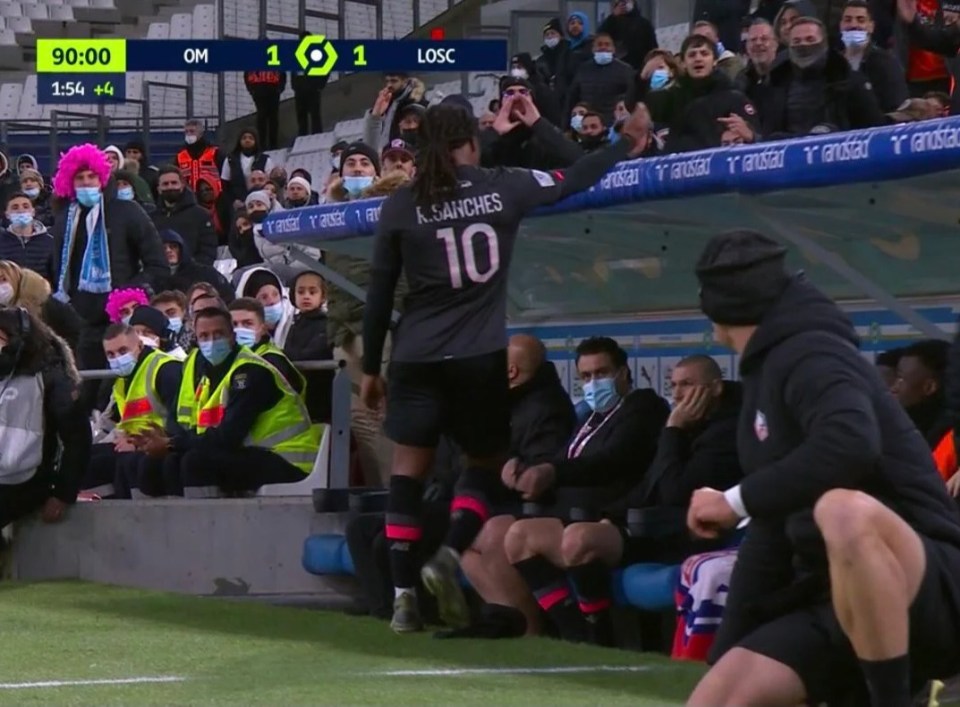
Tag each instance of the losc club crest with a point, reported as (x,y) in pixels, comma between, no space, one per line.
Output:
(760,426)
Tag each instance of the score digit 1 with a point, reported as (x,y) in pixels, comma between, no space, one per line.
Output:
(273,55)
(359,55)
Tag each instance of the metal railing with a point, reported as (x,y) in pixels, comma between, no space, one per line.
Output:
(338,471)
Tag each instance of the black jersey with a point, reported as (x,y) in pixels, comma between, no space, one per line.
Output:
(456,255)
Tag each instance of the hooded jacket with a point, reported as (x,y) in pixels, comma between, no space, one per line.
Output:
(816,416)
(387,127)
(541,147)
(148,172)
(241,285)
(726,15)
(344,311)
(194,224)
(189,272)
(33,252)
(578,51)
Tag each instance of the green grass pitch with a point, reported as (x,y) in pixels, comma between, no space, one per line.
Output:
(58,636)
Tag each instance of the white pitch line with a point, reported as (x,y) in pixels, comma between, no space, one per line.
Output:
(457,672)
(82,683)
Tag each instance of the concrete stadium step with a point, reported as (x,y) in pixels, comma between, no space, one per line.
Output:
(249,548)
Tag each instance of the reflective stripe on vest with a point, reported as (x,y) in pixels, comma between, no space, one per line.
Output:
(192,169)
(187,399)
(945,456)
(140,406)
(285,429)
(269,347)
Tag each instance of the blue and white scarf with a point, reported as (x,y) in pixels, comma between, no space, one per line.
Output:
(95,267)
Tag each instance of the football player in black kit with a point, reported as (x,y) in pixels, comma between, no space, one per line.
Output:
(452,232)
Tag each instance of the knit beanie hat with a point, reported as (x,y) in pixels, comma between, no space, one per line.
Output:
(359,148)
(741,274)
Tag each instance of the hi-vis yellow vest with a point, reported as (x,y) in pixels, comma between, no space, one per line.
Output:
(268,347)
(140,406)
(187,399)
(285,429)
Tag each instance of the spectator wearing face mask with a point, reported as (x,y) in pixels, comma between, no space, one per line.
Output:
(173,305)
(136,150)
(153,329)
(385,121)
(258,205)
(178,211)
(552,54)
(21,287)
(185,271)
(25,240)
(521,137)
(251,329)
(241,241)
(601,81)
(816,89)
(579,50)
(880,68)
(703,107)
(143,194)
(124,181)
(198,156)
(336,153)
(660,71)
(262,285)
(632,33)
(32,184)
(576,120)
(593,134)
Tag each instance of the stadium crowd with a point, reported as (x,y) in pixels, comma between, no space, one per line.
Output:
(160,273)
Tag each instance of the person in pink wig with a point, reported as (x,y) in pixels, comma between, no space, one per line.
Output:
(101,244)
(121,303)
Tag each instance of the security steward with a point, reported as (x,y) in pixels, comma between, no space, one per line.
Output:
(251,427)
(250,328)
(145,392)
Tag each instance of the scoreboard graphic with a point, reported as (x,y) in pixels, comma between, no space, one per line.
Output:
(93,70)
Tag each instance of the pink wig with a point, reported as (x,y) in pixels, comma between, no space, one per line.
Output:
(119,298)
(77,158)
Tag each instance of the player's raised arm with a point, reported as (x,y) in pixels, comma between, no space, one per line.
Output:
(549,187)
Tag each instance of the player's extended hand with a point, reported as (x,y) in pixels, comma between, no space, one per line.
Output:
(907,9)
(535,480)
(53,510)
(506,120)
(510,473)
(692,409)
(637,129)
(526,110)
(372,392)
(710,513)
(953,484)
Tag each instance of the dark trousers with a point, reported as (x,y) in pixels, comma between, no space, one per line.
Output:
(143,476)
(206,473)
(268,122)
(309,119)
(918,89)
(90,356)
(103,473)
(19,500)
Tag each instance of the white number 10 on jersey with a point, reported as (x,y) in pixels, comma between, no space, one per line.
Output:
(468,246)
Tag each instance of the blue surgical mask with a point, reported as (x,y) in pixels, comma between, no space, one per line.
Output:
(175,324)
(601,394)
(272,313)
(88,196)
(215,351)
(33,192)
(576,122)
(551,42)
(356,185)
(23,218)
(245,337)
(603,58)
(125,193)
(720,49)
(123,364)
(854,37)
(659,78)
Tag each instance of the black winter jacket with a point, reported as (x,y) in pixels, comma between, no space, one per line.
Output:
(189,272)
(634,36)
(541,147)
(307,341)
(886,77)
(816,416)
(192,222)
(600,87)
(541,417)
(34,252)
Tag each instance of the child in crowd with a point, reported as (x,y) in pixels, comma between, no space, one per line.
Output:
(122,303)
(173,305)
(265,287)
(153,328)
(307,340)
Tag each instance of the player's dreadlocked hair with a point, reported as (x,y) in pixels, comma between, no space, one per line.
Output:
(444,128)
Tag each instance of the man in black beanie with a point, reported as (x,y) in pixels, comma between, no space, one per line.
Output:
(852,553)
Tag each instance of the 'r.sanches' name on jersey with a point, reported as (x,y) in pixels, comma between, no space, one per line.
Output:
(467,208)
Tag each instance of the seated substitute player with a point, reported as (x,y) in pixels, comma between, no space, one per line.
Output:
(452,233)
(852,554)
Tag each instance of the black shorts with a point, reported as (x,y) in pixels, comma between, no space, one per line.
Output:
(811,642)
(465,399)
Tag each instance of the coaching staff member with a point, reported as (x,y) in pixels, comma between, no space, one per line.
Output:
(452,233)
(853,551)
